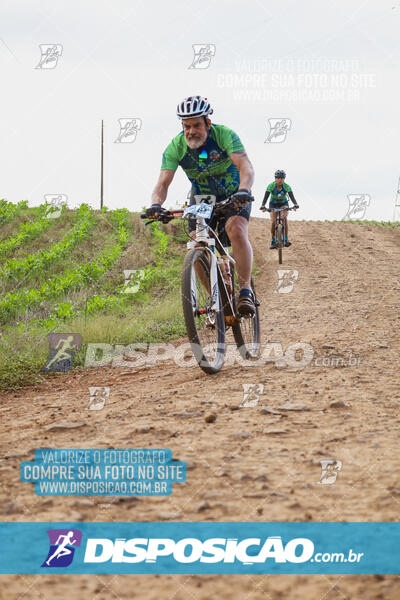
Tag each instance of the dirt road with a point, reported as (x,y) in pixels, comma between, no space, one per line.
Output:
(250,464)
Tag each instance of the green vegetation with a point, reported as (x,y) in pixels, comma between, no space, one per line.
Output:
(390,224)
(8,210)
(76,285)
(19,268)
(27,231)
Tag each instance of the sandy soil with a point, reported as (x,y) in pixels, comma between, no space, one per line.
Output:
(249,464)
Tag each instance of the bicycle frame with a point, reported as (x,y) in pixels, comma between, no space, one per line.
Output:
(279,220)
(203,239)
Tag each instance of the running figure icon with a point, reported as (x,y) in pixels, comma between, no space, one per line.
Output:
(62,549)
(62,349)
(62,354)
(63,543)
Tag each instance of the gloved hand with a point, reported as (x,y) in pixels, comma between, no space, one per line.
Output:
(242,197)
(295,206)
(263,208)
(153,211)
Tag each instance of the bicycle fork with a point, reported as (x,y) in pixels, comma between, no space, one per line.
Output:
(214,292)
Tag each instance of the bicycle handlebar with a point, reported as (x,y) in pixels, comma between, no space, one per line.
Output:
(221,207)
(165,216)
(281,209)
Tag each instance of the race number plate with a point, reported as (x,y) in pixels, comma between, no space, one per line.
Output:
(201,210)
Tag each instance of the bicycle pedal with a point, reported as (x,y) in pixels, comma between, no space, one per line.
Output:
(249,315)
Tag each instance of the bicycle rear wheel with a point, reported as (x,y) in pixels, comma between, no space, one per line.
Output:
(205,327)
(246,331)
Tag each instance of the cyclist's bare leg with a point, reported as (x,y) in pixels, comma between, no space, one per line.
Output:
(273,217)
(237,230)
(284,215)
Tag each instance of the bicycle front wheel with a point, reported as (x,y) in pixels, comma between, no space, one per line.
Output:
(204,325)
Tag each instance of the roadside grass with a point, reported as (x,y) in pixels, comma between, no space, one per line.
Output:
(151,315)
(148,320)
(390,224)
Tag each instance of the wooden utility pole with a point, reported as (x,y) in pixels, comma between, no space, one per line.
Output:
(396,214)
(102,165)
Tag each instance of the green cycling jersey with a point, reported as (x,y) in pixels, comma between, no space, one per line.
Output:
(278,195)
(209,168)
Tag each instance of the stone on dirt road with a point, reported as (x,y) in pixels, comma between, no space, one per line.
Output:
(65,425)
(210,418)
(338,404)
(294,406)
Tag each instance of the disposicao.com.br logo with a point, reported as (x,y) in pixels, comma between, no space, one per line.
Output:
(186,550)
(202,548)
(190,550)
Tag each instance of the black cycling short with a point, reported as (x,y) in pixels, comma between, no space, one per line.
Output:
(217,222)
(273,204)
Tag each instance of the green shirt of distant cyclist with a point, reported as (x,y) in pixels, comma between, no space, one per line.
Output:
(279,190)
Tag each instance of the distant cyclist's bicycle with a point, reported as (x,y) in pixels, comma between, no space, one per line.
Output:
(280,232)
(210,292)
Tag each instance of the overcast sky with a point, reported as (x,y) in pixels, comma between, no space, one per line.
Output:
(330,68)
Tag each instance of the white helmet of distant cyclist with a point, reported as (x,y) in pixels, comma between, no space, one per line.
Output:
(194,106)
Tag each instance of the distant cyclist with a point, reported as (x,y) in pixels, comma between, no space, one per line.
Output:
(278,190)
(216,163)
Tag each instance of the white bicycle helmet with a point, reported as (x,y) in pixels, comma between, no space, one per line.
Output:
(194,106)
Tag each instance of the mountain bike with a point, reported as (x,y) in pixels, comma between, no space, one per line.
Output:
(210,292)
(280,232)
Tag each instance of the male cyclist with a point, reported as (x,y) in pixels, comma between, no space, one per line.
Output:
(216,163)
(278,190)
